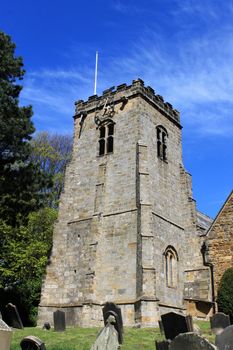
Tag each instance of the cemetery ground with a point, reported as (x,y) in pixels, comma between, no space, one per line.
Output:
(82,338)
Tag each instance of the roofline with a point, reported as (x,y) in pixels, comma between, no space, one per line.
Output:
(209,217)
(220,211)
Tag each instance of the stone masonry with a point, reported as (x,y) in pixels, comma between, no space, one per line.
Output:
(127,229)
(219,240)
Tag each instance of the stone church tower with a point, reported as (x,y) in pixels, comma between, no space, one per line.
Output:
(127,227)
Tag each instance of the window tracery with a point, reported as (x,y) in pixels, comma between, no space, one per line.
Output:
(106,138)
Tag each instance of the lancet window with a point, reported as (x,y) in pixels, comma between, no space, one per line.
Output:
(171,266)
(161,142)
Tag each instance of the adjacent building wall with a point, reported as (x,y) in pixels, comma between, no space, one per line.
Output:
(219,241)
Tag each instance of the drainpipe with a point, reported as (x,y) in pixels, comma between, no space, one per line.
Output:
(206,262)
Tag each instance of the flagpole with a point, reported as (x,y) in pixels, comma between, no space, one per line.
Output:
(96,67)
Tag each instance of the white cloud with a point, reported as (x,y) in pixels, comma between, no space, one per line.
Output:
(52,94)
(129,7)
(203,8)
(192,73)
(119,6)
(60,74)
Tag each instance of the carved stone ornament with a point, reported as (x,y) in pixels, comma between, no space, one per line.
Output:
(107,112)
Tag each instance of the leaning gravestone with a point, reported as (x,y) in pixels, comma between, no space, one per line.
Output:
(59,320)
(224,340)
(107,339)
(191,341)
(174,324)
(11,316)
(5,336)
(219,321)
(32,343)
(112,309)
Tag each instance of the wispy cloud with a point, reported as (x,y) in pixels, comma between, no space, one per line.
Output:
(193,73)
(203,8)
(60,74)
(199,71)
(120,7)
(52,94)
(197,79)
(128,8)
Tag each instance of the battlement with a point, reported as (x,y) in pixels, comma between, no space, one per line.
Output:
(124,92)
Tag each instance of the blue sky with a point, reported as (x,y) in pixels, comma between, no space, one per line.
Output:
(182,48)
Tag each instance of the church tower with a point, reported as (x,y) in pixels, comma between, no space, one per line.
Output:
(126,230)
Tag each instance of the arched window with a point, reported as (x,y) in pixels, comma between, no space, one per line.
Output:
(171,266)
(161,142)
(106,139)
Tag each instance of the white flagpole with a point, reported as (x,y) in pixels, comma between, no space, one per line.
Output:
(96,67)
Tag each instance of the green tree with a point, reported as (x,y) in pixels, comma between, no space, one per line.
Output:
(225,293)
(25,235)
(23,262)
(20,179)
(52,152)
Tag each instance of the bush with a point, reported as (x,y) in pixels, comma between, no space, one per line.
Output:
(225,293)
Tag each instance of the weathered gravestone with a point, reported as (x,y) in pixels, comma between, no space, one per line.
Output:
(32,343)
(59,320)
(5,336)
(161,327)
(224,340)
(112,309)
(46,326)
(107,339)
(174,324)
(11,316)
(189,320)
(190,341)
(162,345)
(219,321)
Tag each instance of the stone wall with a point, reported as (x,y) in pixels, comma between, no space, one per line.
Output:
(220,241)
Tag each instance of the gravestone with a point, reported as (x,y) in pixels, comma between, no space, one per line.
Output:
(161,327)
(219,321)
(11,316)
(190,323)
(5,336)
(46,326)
(112,309)
(59,320)
(162,345)
(174,324)
(107,339)
(32,343)
(190,341)
(224,340)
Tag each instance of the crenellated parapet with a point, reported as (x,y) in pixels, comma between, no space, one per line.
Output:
(121,94)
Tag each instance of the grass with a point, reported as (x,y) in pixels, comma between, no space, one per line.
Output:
(83,338)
